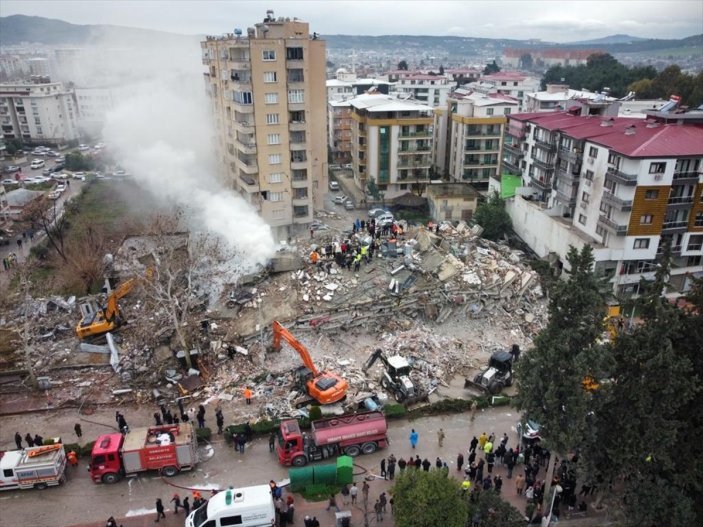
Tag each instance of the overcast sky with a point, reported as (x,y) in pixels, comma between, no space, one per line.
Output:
(558,20)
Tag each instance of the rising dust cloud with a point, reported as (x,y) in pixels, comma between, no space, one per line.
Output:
(161,132)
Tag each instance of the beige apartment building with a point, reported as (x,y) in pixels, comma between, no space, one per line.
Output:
(268,96)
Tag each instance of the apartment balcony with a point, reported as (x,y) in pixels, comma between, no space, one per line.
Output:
(248,183)
(299,183)
(415,135)
(686,178)
(544,165)
(514,150)
(546,145)
(517,133)
(239,64)
(615,228)
(566,175)
(296,106)
(298,164)
(295,64)
(246,148)
(618,176)
(541,183)
(240,82)
(568,154)
(243,108)
(566,199)
(619,203)
(249,166)
(411,162)
(298,202)
(674,227)
(512,167)
(414,149)
(297,126)
(680,202)
(246,127)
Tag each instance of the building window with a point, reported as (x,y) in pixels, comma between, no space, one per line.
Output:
(646,219)
(272,118)
(242,97)
(695,243)
(582,219)
(593,152)
(270,76)
(274,159)
(641,243)
(589,175)
(657,168)
(275,196)
(276,177)
(698,222)
(489,111)
(271,98)
(651,194)
(506,111)
(294,53)
(273,139)
(296,96)
(585,196)
(269,54)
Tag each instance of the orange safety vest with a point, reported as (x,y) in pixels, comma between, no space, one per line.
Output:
(72,458)
(247,393)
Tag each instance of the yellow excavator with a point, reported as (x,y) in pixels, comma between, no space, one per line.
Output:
(100,319)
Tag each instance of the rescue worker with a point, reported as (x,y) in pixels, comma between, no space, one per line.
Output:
(248,393)
(72,458)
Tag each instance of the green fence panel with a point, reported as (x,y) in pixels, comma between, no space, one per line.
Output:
(300,478)
(325,474)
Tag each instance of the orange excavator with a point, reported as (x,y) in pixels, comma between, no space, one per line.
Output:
(324,387)
(98,320)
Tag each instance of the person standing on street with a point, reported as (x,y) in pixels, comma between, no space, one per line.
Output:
(383,468)
(29,439)
(459,461)
(440,436)
(473,444)
(38,440)
(159,510)
(474,408)
(353,492)
(78,430)
(18,440)
(186,506)
(272,441)
(219,418)
(176,503)
(414,436)
(391,467)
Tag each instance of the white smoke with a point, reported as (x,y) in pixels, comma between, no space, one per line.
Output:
(162,133)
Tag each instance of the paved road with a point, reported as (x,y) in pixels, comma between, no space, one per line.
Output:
(81,501)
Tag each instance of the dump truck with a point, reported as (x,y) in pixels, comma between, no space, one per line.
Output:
(245,506)
(498,374)
(33,468)
(323,386)
(350,435)
(169,449)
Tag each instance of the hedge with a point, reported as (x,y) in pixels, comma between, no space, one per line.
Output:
(392,411)
(203,434)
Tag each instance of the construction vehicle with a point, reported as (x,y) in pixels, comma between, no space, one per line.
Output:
(396,377)
(498,375)
(169,449)
(33,468)
(245,507)
(323,387)
(100,319)
(350,435)
(614,322)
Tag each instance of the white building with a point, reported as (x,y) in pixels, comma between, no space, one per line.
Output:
(43,113)
(429,89)
(512,83)
(556,96)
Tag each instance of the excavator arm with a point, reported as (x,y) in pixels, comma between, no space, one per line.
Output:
(378,354)
(279,332)
(111,310)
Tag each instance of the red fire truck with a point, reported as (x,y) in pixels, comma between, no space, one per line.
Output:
(167,448)
(355,434)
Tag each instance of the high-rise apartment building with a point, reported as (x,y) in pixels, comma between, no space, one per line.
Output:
(626,186)
(268,96)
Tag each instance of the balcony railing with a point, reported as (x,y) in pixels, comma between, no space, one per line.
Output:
(544,184)
(568,154)
(413,149)
(546,165)
(680,200)
(295,126)
(619,230)
(674,227)
(512,168)
(515,150)
(565,198)
(621,177)
(686,177)
(619,203)
(412,135)
(520,133)
(567,175)
(547,145)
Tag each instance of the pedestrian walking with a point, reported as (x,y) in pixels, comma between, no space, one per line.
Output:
(159,510)
(459,461)
(382,498)
(353,492)
(18,440)
(473,444)
(497,483)
(383,468)
(176,500)
(378,509)
(414,436)
(440,437)
(482,440)
(290,504)
(272,441)
(332,503)
(365,491)
(38,440)
(157,419)
(79,431)
(519,484)
(186,506)
(247,395)
(401,464)
(391,467)
(438,463)
(29,439)
(474,408)
(241,441)
(201,420)
(345,494)
(219,418)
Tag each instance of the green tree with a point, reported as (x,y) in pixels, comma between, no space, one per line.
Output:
(372,188)
(77,161)
(12,146)
(643,89)
(494,511)
(428,499)
(441,69)
(491,68)
(403,65)
(492,216)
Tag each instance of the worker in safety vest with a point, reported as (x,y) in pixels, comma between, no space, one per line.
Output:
(465,486)
(247,394)
(72,458)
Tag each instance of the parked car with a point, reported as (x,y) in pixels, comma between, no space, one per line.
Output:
(37,163)
(340,199)
(349,205)
(78,175)
(58,167)
(9,181)
(83,148)
(9,169)
(375,213)
(385,219)
(54,194)
(59,176)
(334,185)
(60,159)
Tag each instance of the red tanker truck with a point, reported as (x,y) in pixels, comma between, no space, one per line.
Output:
(167,448)
(362,433)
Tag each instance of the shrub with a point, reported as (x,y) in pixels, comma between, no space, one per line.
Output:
(315,413)
(394,411)
(203,434)
(87,449)
(49,441)
(75,447)
(40,252)
(264,427)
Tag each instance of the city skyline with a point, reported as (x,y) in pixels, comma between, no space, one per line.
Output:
(549,21)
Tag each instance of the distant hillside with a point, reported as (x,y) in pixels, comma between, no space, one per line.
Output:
(17,29)
(610,39)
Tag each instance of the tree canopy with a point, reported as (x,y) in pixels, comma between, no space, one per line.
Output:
(492,216)
(403,65)
(604,71)
(428,499)
(491,68)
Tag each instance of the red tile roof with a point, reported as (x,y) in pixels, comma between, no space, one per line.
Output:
(660,140)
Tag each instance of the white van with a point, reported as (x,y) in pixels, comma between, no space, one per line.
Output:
(385,219)
(244,507)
